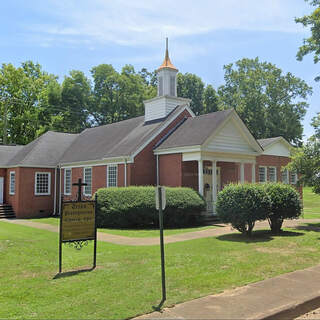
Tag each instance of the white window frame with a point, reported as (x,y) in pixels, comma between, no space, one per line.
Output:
(295,178)
(265,174)
(49,184)
(108,174)
(275,172)
(65,181)
(12,174)
(285,173)
(84,180)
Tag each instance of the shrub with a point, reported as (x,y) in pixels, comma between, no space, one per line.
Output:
(129,207)
(285,204)
(242,205)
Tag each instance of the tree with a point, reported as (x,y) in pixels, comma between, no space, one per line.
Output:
(23,101)
(210,99)
(192,87)
(269,102)
(311,44)
(75,103)
(306,161)
(316,125)
(119,96)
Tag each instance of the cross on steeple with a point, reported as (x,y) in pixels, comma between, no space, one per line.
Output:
(79,184)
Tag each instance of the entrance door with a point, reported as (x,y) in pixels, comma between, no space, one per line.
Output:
(207,187)
(1,190)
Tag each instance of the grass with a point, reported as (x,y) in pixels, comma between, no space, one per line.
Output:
(127,281)
(136,233)
(311,203)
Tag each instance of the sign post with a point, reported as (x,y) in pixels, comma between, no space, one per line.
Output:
(78,224)
(160,205)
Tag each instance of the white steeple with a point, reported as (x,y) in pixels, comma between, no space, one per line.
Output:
(166,100)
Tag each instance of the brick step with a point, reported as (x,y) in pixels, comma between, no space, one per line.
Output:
(7,216)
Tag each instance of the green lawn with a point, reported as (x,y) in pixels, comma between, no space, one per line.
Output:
(311,204)
(127,280)
(139,233)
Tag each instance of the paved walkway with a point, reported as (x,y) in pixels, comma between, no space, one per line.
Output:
(284,297)
(221,229)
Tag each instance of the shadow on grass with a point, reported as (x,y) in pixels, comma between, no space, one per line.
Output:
(72,273)
(257,236)
(159,306)
(309,227)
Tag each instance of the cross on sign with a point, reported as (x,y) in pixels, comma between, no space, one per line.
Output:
(79,184)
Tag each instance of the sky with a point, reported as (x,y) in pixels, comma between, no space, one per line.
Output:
(204,35)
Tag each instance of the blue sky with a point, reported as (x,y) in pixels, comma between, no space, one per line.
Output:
(203,36)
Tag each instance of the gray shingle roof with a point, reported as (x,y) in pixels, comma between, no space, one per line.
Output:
(114,140)
(265,142)
(44,151)
(195,131)
(7,153)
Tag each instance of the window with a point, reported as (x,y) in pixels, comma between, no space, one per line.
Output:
(42,183)
(67,181)
(272,174)
(172,86)
(293,178)
(262,174)
(112,176)
(87,177)
(12,183)
(160,86)
(285,176)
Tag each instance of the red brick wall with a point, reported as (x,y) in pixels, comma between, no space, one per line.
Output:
(170,170)
(143,170)
(274,161)
(229,172)
(99,179)
(190,174)
(24,202)
(13,200)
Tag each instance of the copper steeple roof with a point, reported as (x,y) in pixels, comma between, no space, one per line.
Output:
(166,62)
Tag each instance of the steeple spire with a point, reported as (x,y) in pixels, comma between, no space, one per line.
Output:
(166,62)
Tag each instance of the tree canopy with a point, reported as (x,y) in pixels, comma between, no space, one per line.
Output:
(269,102)
(32,101)
(311,44)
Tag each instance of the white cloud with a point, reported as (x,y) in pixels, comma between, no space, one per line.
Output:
(147,22)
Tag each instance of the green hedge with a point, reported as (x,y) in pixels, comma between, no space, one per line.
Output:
(285,204)
(242,205)
(131,207)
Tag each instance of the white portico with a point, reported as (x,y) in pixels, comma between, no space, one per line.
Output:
(221,150)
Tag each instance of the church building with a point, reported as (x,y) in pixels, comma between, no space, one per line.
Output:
(169,146)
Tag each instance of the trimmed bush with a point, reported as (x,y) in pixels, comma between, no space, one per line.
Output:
(285,204)
(131,207)
(242,205)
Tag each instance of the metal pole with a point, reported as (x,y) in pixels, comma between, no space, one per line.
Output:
(60,237)
(163,275)
(95,232)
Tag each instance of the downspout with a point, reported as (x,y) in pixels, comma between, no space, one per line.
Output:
(157,157)
(60,204)
(55,193)
(125,172)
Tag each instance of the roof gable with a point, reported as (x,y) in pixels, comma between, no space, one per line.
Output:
(230,138)
(277,146)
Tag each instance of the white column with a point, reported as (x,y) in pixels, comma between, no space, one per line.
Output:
(200,176)
(214,181)
(241,172)
(253,173)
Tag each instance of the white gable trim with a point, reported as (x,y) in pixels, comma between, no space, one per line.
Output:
(245,133)
(282,144)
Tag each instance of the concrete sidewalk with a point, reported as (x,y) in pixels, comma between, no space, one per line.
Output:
(284,297)
(220,229)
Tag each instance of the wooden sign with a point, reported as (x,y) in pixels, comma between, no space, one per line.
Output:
(78,221)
